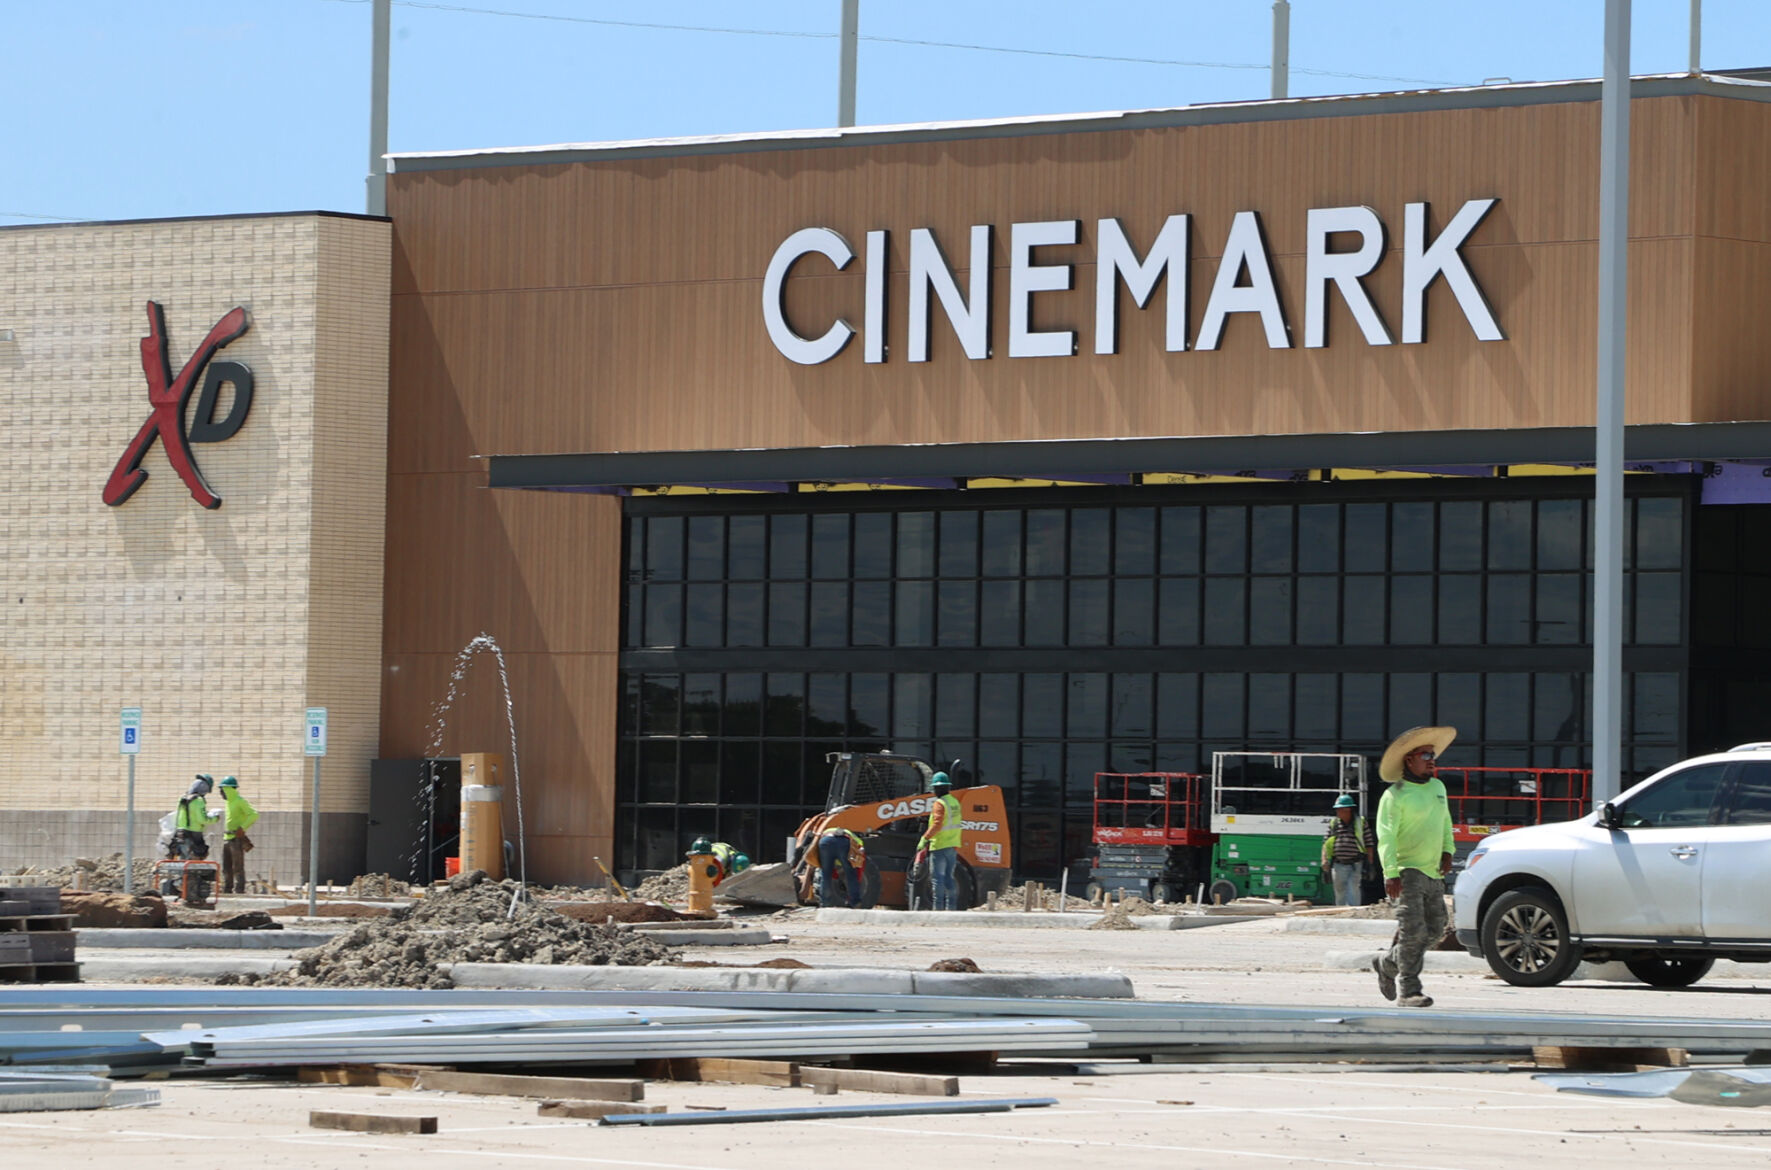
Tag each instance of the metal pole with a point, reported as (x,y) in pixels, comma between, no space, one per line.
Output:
(377,201)
(1696,64)
(845,85)
(313,848)
(129,834)
(1281,48)
(1614,218)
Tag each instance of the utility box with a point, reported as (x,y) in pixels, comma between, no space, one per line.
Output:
(414,818)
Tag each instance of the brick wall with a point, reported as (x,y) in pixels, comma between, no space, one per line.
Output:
(222,625)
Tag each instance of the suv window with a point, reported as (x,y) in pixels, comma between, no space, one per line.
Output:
(1751,802)
(1679,801)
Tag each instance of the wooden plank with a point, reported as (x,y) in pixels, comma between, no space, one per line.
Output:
(356,1075)
(371,1122)
(507,1085)
(780,1073)
(591,1110)
(863,1081)
(1583,1059)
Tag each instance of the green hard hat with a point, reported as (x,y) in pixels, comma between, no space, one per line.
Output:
(229,782)
(701,845)
(740,862)
(1346,801)
(940,780)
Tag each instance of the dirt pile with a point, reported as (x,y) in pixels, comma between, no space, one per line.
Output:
(1138,908)
(97,910)
(959,966)
(670,886)
(378,885)
(467,923)
(618,912)
(1114,917)
(101,874)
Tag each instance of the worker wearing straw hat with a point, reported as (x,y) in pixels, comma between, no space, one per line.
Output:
(1415,847)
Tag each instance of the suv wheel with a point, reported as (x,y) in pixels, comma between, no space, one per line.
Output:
(1525,939)
(1656,972)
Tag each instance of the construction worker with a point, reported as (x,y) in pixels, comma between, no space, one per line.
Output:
(191,818)
(839,847)
(240,817)
(729,859)
(1349,844)
(1415,843)
(941,842)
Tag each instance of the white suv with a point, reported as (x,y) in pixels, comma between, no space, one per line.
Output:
(1668,878)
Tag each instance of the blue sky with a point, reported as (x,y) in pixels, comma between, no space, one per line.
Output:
(119,109)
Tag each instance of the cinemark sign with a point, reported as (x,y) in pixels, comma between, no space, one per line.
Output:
(1343,247)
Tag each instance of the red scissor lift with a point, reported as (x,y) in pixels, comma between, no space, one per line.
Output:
(1151,834)
(1486,801)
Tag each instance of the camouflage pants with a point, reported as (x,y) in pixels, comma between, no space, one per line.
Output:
(1420,924)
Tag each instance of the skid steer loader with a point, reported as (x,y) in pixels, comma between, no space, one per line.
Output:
(884,799)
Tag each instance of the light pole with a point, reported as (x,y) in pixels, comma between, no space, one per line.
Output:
(376,203)
(1281,48)
(1614,226)
(845,83)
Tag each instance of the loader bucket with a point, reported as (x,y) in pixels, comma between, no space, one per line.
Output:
(761,885)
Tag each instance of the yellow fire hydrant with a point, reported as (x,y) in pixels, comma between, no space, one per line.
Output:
(704,872)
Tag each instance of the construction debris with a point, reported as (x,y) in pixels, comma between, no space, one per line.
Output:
(100,910)
(815,1112)
(1114,917)
(378,885)
(469,922)
(34,1091)
(371,1122)
(670,886)
(104,875)
(1740,1087)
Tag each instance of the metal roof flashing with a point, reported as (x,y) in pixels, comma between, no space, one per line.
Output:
(1215,113)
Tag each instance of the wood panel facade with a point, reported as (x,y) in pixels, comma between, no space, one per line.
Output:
(613,303)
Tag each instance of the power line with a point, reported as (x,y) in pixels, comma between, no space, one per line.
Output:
(908,41)
(33,215)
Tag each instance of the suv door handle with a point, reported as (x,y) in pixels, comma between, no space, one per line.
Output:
(1684,851)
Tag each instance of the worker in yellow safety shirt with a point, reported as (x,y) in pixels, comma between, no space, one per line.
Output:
(730,860)
(941,842)
(240,817)
(191,818)
(839,847)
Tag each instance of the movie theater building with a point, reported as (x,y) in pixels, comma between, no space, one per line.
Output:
(1098,442)
(1063,445)
(193,420)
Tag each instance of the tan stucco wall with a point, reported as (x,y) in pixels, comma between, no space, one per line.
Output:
(222,625)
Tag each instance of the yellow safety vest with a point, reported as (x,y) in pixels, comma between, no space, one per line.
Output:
(950,832)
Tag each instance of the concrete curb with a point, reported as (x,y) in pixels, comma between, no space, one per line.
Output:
(1000,920)
(844,981)
(1374,926)
(179,940)
(113,968)
(712,938)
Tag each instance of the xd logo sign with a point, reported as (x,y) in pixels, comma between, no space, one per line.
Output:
(169,396)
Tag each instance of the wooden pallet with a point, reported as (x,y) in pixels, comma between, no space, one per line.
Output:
(36,922)
(40,973)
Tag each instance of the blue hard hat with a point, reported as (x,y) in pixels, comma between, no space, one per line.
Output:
(1346,801)
(940,780)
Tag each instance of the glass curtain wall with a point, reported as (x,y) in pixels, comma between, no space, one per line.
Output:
(1039,637)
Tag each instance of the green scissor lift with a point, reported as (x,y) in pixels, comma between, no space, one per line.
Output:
(1271,811)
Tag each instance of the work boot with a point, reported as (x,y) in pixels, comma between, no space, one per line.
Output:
(1415,1001)
(1386,983)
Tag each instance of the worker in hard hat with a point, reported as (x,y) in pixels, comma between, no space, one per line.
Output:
(1347,849)
(728,858)
(941,842)
(191,818)
(235,843)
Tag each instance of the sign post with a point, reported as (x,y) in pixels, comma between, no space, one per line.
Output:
(313,743)
(129,743)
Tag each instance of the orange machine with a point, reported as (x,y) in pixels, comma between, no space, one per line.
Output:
(884,799)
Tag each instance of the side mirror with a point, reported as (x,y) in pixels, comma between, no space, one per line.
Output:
(1608,815)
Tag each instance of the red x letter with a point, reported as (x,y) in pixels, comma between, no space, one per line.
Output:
(168,396)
